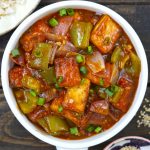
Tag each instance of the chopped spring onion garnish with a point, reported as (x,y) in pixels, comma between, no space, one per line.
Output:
(83,70)
(53,22)
(109,92)
(79,59)
(63,12)
(60,108)
(41,101)
(33,93)
(57,86)
(70,11)
(98,129)
(101,81)
(60,79)
(90,50)
(90,128)
(74,131)
(15,52)
(114,88)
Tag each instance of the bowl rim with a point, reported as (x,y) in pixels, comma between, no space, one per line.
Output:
(138,98)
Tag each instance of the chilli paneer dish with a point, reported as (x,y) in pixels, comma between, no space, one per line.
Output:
(75,73)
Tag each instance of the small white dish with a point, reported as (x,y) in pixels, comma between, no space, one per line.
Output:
(129,141)
(9,22)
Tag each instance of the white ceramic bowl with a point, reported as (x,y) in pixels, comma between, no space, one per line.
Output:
(99,138)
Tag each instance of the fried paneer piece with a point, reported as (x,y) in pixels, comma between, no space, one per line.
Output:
(105,75)
(105,34)
(76,97)
(68,69)
(29,40)
(57,102)
(34,35)
(15,77)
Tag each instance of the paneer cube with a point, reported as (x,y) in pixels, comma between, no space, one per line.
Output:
(57,102)
(76,97)
(105,34)
(67,68)
(105,75)
(75,118)
(80,34)
(124,102)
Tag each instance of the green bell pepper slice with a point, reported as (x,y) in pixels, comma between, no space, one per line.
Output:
(49,75)
(80,34)
(28,103)
(40,56)
(117,95)
(123,61)
(42,122)
(116,54)
(31,83)
(136,64)
(56,124)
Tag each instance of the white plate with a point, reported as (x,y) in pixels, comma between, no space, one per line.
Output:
(9,22)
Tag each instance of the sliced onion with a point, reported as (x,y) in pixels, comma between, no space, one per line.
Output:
(95,62)
(64,49)
(20,60)
(114,74)
(100,106)
(63,27)
(53,52)
(70,47)
(54,37)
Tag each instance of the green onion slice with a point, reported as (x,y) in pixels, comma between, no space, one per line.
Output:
(74,131)
(57,86)
(90,50)
(101,81)
(98,129)
(41,101)
(83,70)
(63,12)
(60,79)
(70,11)
(60,108)
(79,58)
(33,93)
(15,52)
(53,22)
(109,92)
(90,128)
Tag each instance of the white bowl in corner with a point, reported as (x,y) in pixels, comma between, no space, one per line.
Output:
(99,138)
(9,22)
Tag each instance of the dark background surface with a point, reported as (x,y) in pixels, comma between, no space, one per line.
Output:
(14,137)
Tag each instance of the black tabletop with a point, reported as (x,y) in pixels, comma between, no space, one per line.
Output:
(14,137)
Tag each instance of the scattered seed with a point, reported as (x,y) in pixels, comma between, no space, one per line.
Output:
(144,117)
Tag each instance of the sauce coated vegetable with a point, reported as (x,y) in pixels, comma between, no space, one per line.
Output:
(75,73)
